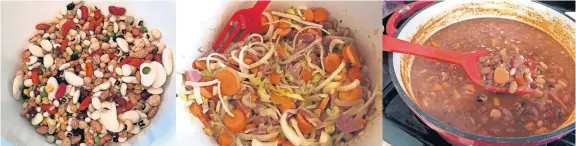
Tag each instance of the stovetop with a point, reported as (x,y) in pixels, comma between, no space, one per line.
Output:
(398,116)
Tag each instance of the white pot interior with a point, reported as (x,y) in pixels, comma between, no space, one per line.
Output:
(23,17)
(365,30)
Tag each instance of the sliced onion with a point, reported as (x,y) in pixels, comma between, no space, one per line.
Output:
(296,18)
(256,142)
(350,112)
(263,59)
(268,112)
(273,107)
(331,77)
(200,84)
(205,107)
(316,97)
(333,43)
(255,35)
(297,27)
(197,96)
(289,132)
(265,137)
(271,28)
(295,126)
(246,101)
(350,86)
(264,96)
(343,103)
(222,101)
(238,141)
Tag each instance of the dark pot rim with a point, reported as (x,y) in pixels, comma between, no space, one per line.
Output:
(458,132)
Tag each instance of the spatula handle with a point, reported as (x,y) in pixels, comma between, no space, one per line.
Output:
(261,5)
(391,44)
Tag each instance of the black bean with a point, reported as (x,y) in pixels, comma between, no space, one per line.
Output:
(74,57)
(32,112)
(69,134)
(24,96)
(145,95)
(41,60)
(70,6)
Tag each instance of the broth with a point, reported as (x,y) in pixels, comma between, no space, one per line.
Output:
(444,91)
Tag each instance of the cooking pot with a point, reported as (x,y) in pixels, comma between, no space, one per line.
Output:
(19,19)
(437,15)
(358,16)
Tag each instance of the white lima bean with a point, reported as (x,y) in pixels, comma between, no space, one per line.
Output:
(160,75)
(18,81)
(147,74)
(167,60)
(73,79)
(46,45)
(35,50)
(48,61)
(108,118)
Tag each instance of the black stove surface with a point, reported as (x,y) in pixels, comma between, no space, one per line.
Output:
(396,111)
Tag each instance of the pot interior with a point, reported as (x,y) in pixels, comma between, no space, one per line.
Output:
(442,14)
(363,29)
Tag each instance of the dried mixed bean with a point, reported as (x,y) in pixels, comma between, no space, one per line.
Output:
(77,70)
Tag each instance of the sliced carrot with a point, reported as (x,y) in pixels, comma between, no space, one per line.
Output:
(224,139)
(284,24)
(306,74)
(263,21)
(237,123)
(275,18)
(320,15)
(206,92)
(309,15)
(255,69)
(279,139)
(350,95)
(230,82)
(354,73)
(303,124)
(351,56)
(520,80)
(284,31)
(342,74)
(250,126)
(282,50)
(286,106)
(247,60)
(279,99)
(199,65)
(275,78)
(324,103)
(287,143)
(363,123)
(196,110)
(253,98)
(331,62)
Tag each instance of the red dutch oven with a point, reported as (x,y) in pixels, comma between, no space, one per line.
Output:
(432,16)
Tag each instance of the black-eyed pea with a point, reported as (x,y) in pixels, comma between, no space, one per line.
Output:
(143,123)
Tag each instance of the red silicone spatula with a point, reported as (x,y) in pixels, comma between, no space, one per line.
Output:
(468,61)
